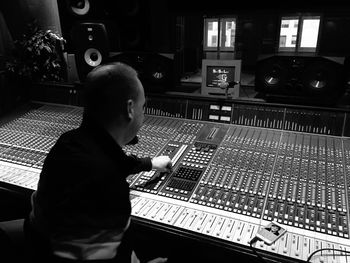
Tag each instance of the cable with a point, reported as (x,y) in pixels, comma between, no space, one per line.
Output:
(323,249)
(255,239)
(251,242)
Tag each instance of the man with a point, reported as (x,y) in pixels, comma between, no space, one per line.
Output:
(81,209)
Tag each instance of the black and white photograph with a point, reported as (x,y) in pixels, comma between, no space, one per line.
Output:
(153,131)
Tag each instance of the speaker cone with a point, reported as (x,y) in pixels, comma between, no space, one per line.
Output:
(79,7)
(317,84)
(320,77)
(273,78)
(271,75)
(93,57)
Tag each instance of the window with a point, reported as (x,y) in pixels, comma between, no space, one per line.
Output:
(219,34)
(299,33)
(288,31)
(309,33)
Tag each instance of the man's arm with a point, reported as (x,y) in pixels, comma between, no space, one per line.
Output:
(160,163)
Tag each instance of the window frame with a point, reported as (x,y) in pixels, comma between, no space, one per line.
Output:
(300,18)
(221,20)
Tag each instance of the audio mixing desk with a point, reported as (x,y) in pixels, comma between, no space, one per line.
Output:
(236,166)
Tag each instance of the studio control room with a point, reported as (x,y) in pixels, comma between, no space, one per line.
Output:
(174,131)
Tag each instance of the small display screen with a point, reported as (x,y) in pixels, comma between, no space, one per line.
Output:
(214,107)
(214,117)
(225,118)
(270,233)
(218,74)
(226,108)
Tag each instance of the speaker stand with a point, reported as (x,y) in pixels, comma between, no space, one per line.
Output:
(344,101)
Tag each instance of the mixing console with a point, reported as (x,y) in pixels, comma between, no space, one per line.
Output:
(26,140)
(229,177)
(252,115)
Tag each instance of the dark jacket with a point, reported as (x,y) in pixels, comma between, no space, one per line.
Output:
(83,183)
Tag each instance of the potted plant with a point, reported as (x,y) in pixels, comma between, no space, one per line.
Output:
(38,56)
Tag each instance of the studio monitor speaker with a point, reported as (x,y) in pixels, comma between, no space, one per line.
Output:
(91,47)
(299,77)
(74,12)
(156,71)
(127,22)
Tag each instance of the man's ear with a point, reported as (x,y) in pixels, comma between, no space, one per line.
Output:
(130,109)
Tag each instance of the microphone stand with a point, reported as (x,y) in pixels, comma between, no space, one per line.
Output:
(226,85)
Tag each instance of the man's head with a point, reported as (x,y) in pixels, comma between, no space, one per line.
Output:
(115,98)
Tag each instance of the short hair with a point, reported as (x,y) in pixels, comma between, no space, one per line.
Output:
(108,87)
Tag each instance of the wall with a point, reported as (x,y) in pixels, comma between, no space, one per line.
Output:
(46,13)
(18,13)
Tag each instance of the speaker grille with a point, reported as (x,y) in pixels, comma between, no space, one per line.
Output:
(155,70)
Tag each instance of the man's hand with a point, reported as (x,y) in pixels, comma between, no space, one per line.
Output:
(162,163)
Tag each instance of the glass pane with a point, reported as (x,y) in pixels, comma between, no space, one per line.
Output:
(289,29)
(229,27)
(309,33)
(212,31)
